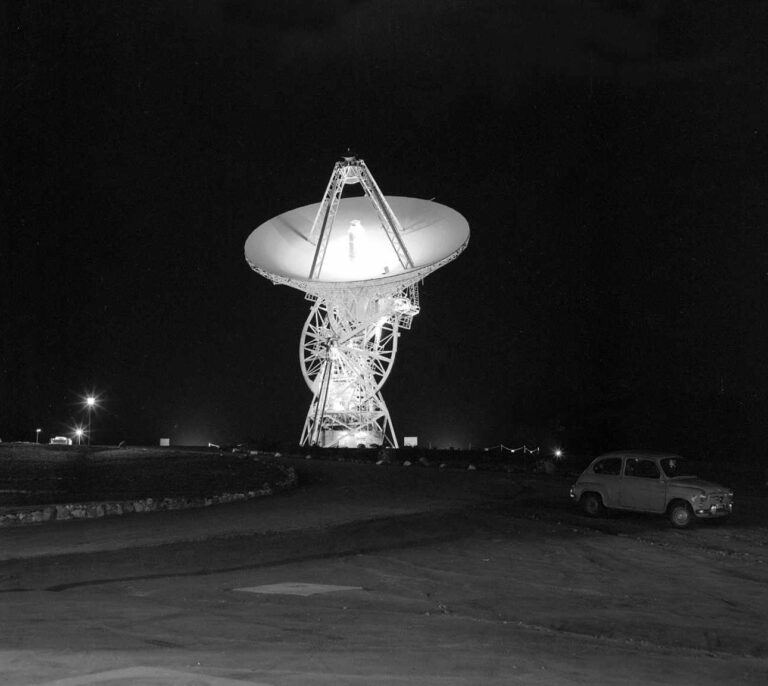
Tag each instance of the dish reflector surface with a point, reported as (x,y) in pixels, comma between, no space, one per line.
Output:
(358,247)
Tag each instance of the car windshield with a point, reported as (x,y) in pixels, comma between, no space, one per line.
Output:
(677,466)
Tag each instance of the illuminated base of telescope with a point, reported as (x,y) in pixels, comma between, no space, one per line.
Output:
(349,430)
(342,438)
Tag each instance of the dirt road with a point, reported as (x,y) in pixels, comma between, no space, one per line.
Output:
(416,576)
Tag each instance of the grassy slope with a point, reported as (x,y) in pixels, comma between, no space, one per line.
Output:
(37,474)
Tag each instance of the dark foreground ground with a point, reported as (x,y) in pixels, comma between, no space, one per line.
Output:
(436,577)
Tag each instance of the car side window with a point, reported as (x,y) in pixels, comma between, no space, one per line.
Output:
(610,465)
(645,469)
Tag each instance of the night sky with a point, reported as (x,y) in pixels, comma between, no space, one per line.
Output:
(611,159)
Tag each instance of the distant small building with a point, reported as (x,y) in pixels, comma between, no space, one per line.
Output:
(410,441)
(165,442)
(61,440)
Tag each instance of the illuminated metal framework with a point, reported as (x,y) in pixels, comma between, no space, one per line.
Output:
(346,353)
(349,340)
(348,171)
(362,295)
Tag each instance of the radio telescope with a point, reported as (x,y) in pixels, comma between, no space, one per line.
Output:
(359,261)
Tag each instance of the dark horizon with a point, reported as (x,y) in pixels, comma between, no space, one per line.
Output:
(608,158)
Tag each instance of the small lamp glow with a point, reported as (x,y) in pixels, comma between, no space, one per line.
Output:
(37,435)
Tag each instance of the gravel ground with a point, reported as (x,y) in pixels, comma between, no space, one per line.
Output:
(455,577)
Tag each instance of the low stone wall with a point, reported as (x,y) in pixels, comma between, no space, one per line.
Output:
(95,510)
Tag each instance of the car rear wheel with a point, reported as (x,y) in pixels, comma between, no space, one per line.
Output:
(681,515)
(592,504)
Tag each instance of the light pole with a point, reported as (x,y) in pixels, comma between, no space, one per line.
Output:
(90,401)
(37,435)
(79,434)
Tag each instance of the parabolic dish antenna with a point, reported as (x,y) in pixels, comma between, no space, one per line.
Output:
(360,260)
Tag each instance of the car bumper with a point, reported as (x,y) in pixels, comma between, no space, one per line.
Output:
(713,511)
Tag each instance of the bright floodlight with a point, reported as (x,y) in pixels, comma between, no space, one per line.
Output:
(359,260)
(90,404)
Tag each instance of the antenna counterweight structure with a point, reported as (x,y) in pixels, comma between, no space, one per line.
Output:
(363,283)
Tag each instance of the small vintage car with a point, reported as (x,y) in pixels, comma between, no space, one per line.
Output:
(662,483)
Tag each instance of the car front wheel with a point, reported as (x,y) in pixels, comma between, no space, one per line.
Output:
(592,504)
(681,515)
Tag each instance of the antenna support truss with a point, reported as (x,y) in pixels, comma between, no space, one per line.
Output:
(351,170)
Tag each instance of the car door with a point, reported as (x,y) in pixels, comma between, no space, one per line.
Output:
(606,479)
(642,487)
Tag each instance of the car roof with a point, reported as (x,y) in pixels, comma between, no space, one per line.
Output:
(652,454)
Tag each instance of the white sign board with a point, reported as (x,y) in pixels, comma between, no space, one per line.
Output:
(165,442)
(410,441)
